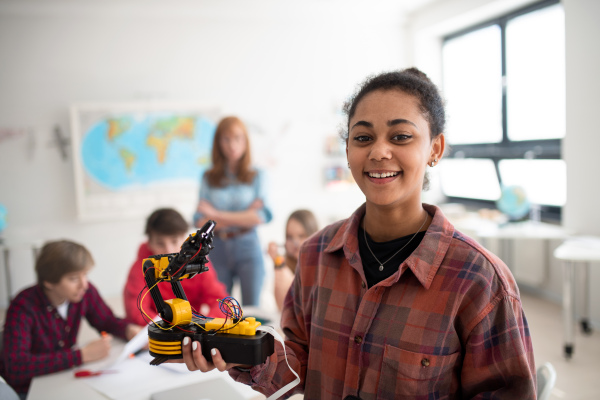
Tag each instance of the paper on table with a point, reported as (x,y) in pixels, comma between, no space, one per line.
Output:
(138,342)
(135,379)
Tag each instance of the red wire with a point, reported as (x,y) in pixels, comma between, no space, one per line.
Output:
(191,258)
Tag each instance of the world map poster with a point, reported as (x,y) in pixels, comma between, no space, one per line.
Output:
(130,159)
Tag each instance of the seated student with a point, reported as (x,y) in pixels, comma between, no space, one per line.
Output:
(42,321)
(300,225)
(167,230)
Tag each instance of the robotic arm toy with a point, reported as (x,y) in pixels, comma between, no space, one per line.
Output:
(235,337)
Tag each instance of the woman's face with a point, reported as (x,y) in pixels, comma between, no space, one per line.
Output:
(389,146)
(295,235)
(233,143)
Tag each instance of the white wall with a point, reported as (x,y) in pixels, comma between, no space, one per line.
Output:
(285,68)
(580,215)
(582,141)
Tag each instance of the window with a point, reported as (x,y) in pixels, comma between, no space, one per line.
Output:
(458,175)
(544,181)
(479,103)
(504,85)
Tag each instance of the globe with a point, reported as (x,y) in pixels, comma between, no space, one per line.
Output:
(513,202)
(3,219)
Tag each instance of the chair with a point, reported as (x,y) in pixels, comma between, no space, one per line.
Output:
(546,378)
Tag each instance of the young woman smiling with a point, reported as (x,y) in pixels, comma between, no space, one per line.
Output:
(394,302)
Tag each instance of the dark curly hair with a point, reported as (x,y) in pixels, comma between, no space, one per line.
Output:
(411,81)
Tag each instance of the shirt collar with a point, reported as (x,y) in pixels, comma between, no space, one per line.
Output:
(424,262)
(44,300)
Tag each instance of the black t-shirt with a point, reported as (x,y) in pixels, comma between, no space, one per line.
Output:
(383,251)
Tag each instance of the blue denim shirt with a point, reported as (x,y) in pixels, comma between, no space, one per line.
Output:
(236,196)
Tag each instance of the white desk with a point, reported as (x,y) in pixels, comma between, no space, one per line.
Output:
(508,234)
(576,252)
(135,380)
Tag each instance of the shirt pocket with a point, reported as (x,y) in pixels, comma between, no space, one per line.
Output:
(409,375)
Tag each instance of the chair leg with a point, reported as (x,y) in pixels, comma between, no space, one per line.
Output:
(585,315)
(568,308)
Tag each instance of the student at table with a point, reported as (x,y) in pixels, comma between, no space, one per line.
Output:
(394,302)
(166,230)
(42,321)
(300,225)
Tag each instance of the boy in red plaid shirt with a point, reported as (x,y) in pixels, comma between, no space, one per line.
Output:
(42,321)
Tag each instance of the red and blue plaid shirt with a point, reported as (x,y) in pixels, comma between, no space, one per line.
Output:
(447,325)
(38,341)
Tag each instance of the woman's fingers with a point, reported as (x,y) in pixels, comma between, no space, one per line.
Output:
(186,351)
(217,360)
(192,356)
(194,360)
(199,360)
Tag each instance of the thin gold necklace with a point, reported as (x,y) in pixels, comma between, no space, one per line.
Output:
(394,255)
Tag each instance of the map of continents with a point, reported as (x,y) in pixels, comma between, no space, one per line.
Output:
(131,151)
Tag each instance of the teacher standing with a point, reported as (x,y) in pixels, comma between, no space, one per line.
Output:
(233,194)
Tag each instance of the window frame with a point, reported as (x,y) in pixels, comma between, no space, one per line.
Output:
(549,149)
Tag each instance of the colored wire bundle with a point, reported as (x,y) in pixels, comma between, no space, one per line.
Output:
(231,308)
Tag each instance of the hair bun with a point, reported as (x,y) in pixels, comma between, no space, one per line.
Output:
(416,72)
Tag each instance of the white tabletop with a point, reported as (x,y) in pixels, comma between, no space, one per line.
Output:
(524,230)
(135,379)
(583,248)
(473,224)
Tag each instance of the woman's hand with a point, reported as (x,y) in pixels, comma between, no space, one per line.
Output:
(131,330)
(243,219)
(207,209)
(273,250)
(256,205)
(96,350)
(194,360)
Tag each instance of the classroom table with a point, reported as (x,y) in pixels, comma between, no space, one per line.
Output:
(135,379)
(508,235)
(580,253)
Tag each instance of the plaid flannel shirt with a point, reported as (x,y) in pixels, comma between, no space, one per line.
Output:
(37,341)
(447,325)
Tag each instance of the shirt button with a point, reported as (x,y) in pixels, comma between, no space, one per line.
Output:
(67,328)
(425,362)
(364,285)
(358,339)
(61,343)
(49,308)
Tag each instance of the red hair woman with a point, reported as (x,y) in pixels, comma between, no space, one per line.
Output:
(233,194)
